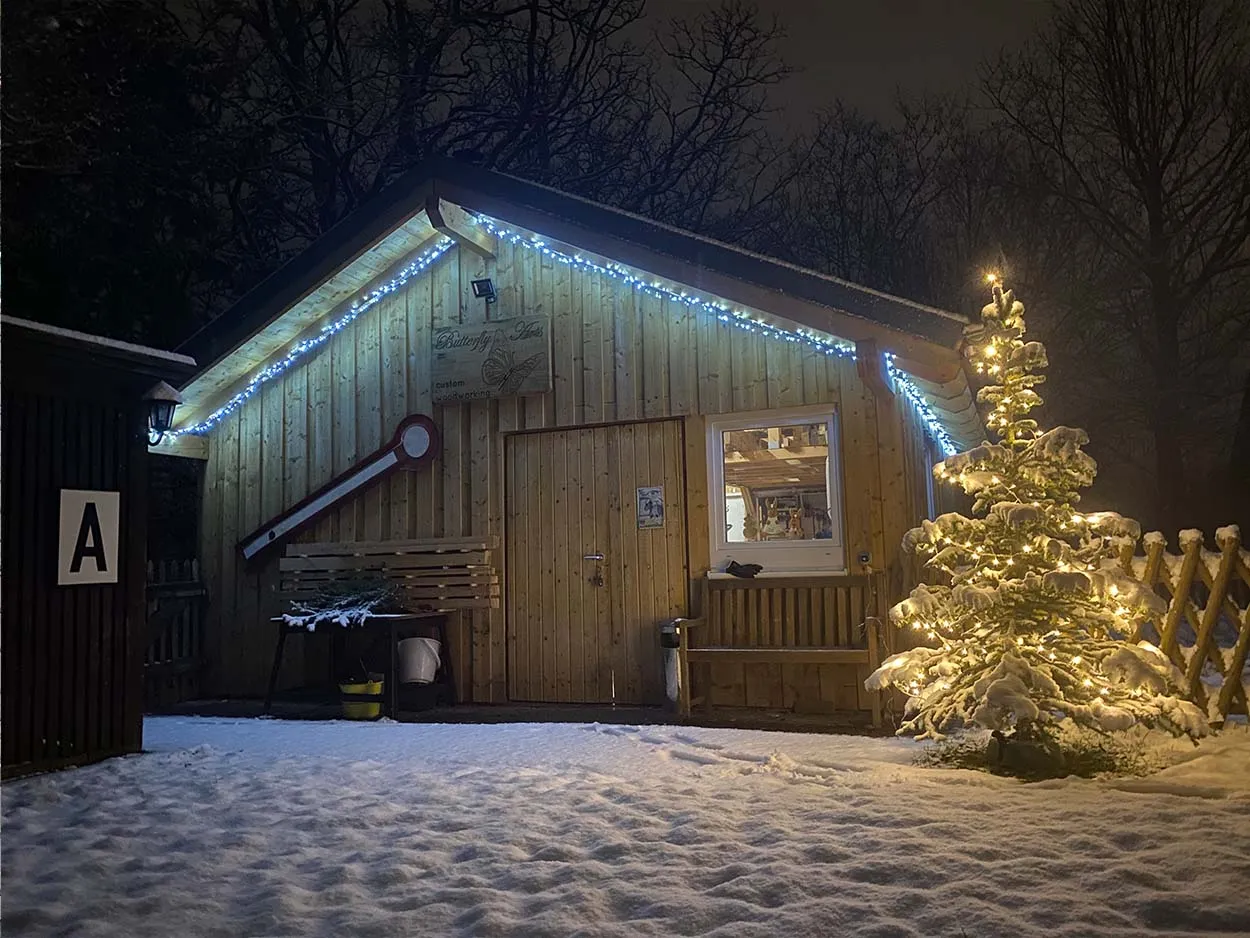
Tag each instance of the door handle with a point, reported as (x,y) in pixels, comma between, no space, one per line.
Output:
(592,557)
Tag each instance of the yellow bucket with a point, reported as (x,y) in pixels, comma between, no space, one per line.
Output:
(358,710)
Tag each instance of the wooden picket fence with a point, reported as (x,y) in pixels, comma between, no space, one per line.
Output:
(174,657)
(1206,629)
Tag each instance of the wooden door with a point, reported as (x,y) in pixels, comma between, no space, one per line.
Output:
(572,494)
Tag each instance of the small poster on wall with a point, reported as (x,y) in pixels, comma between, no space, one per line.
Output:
(504,358)
(651,506)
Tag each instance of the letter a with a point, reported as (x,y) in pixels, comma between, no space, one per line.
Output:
(89,528)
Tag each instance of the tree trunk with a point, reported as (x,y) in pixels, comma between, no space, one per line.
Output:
(1171,498)
(1239,462)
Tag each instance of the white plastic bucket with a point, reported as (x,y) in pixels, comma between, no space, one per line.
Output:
(418,660)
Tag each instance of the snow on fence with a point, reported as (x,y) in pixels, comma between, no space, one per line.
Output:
(174,655)
(1206,629)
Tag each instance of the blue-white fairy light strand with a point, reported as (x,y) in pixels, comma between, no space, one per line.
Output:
(903,381)
(748,322)
(741,319)
(301,349)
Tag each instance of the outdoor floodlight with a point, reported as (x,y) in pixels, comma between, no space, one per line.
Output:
(484,290)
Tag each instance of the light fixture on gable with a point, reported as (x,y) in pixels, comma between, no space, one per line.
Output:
(484,290)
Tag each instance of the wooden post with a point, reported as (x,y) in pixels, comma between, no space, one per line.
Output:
(874,661)
(683,677)
(135,470)
(1232,679)
(870,364)
(1154,560)
(1211,615)
(1180,598)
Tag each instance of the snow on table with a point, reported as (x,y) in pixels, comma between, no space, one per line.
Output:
(266,827)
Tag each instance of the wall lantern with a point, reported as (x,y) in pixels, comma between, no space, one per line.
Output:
(484,290)
(161,399)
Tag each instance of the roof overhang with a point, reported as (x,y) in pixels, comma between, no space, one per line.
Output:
(138,359)
(422,217)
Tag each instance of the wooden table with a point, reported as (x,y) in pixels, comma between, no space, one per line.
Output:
(394,622)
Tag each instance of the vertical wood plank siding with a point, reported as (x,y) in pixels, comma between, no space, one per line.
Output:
(617,357)
(72,656)
(573,641)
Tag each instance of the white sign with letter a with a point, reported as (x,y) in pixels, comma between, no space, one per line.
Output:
(88,544)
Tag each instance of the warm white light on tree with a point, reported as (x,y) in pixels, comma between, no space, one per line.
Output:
(1037,618)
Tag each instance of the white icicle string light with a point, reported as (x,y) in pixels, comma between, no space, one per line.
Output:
(737,317)
(724,313)
(913,393)
(300,349)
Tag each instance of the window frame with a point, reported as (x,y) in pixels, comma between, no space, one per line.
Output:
(779,558)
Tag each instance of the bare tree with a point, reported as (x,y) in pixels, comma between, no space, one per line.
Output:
(1136,119)
(706,158)
(107,219)
(330,100)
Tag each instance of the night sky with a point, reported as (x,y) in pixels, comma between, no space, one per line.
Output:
(860,50)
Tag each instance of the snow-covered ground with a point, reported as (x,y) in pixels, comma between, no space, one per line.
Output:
(265,827)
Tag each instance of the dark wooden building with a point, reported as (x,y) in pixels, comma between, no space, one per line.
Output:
(75,455)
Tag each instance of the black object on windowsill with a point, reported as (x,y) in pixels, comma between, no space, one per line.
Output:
(745,570)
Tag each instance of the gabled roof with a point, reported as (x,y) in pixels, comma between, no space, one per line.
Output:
(433,201)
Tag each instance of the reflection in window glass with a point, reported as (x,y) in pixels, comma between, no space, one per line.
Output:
(776,483)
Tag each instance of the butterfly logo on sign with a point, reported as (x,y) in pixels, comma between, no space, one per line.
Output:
(502,370)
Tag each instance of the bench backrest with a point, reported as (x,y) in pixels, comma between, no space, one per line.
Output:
(789,612)
(439,574)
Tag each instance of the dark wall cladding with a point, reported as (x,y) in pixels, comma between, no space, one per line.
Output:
(70,656)
(67,651)
(174,493)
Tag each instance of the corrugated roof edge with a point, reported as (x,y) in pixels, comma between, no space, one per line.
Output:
(407,194)
(754,255)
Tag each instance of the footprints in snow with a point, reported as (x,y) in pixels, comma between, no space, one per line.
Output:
(687,747)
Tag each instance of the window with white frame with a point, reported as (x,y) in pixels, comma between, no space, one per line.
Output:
(775,491)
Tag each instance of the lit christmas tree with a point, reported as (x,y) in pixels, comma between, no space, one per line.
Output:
(1037,624)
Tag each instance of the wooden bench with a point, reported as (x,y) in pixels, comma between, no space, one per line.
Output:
(440,574)
(780,620)
(430,577)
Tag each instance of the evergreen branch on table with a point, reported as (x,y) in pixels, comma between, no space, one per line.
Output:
(345,603)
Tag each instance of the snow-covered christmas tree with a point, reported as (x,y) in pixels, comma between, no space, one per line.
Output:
(1036,622)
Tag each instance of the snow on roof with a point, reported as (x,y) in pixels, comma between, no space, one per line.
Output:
(87,338)
(776,262)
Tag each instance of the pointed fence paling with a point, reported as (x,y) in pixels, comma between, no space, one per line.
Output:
(1206,628)
(174,642)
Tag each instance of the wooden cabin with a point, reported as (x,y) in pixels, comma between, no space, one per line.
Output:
(623,409)
(74,534)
